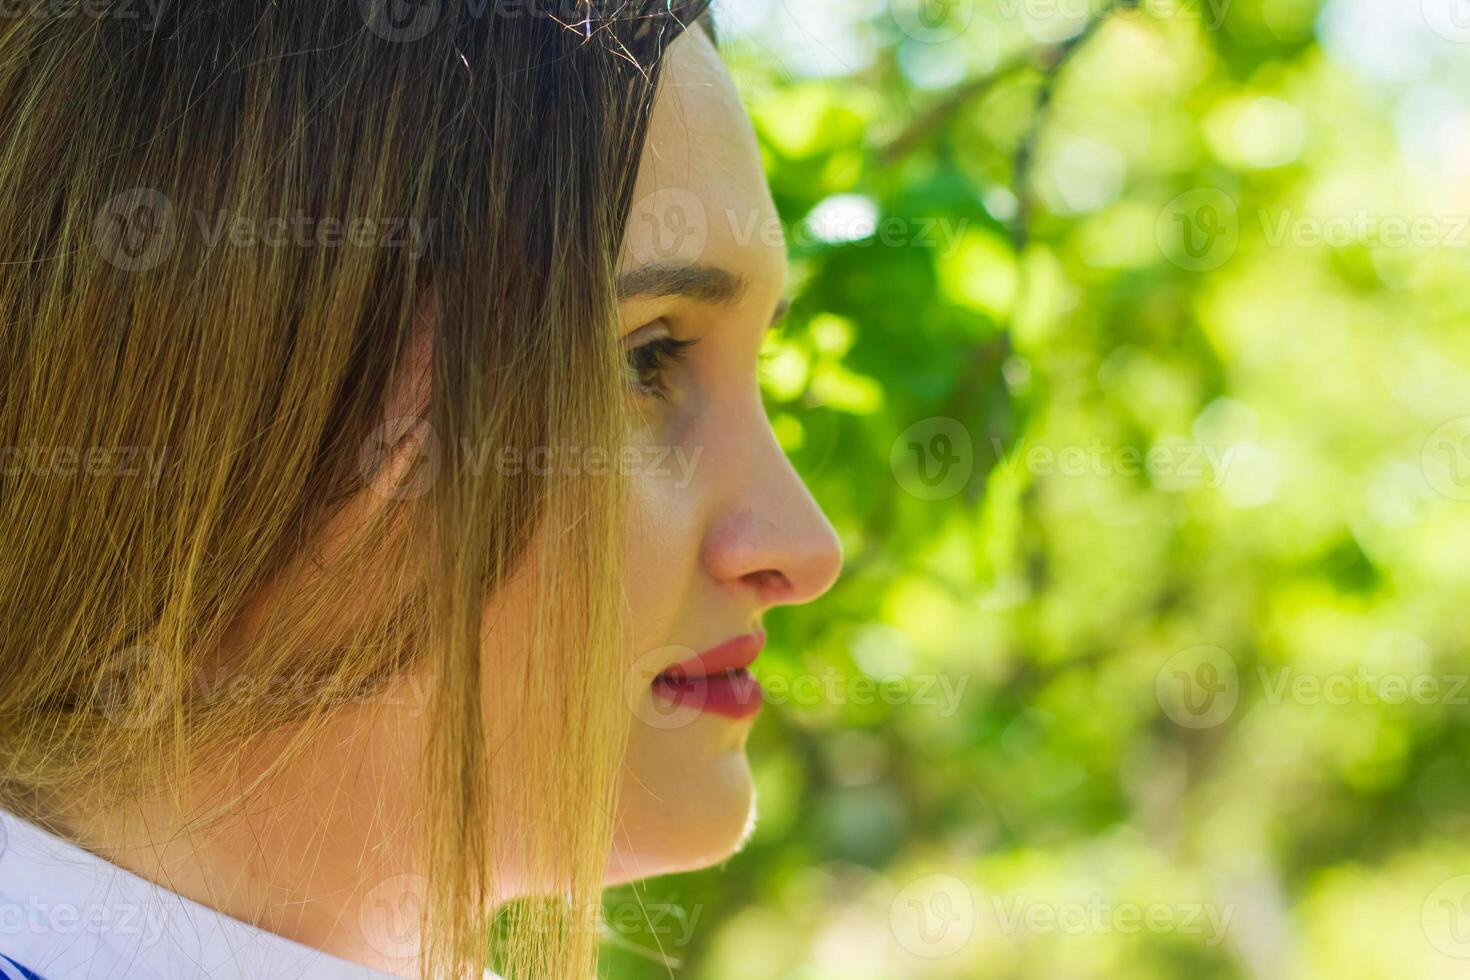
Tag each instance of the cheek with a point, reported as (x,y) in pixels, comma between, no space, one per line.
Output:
(661,550)
(687,794)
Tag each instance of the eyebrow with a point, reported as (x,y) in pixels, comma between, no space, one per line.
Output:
(706,283)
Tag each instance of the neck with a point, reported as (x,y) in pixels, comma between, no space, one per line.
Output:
(314,846)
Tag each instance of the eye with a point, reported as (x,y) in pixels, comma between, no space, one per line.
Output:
(647,364)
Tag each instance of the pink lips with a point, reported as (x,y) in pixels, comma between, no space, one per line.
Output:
(716,680)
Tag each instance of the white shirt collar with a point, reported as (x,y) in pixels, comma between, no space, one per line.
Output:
(68,914)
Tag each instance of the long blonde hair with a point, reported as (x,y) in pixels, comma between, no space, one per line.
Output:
(182,417)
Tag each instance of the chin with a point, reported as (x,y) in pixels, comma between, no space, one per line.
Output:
(688,799)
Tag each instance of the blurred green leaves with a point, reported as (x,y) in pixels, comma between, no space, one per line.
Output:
(1168,282)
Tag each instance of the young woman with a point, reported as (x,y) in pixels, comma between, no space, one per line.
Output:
(388,507)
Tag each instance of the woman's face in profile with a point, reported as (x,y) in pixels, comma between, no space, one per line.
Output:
(720,527)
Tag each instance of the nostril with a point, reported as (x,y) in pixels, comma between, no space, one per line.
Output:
(769,583)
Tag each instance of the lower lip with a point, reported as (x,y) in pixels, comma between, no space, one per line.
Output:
(732,694)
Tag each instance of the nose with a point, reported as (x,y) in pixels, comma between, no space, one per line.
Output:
(770,537)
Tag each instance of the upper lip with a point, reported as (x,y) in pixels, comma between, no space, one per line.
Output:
(736,653)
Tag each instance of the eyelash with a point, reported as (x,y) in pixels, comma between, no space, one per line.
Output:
(647,362)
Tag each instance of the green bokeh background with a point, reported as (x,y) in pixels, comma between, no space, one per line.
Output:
(1195,712)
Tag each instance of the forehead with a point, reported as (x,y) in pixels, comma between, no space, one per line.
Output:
(701,195)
